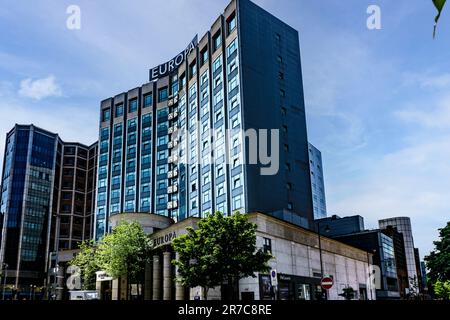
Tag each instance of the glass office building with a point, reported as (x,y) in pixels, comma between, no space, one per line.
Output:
(317,183)
(43,193)
(179,146)
(403,225)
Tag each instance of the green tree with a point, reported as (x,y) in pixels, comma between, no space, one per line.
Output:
(439,4)
(442,289)
(438,262)
(348,293)
(222,249)
(87,261)
(124,252)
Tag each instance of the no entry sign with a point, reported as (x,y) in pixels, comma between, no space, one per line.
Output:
(326,283)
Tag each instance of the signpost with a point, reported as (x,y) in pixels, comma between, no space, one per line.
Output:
(327,283)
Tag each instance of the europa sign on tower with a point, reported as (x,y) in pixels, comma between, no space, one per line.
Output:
(167,68)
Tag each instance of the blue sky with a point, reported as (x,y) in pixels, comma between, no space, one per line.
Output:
(378,101)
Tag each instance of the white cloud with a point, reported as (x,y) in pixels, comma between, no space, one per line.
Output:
(432,115)
(40,88)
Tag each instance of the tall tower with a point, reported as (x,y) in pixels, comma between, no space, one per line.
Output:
(184,144)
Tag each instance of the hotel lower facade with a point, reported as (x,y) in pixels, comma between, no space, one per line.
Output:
(297,260)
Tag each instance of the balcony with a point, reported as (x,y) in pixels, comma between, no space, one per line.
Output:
(172,144)
(172,205)
(172,100)
(172,174)
(172,189)
(173,115)
(173,159)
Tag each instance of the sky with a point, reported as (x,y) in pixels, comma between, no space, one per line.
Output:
(377,101)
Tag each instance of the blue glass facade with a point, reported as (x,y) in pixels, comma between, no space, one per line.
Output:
(27,188)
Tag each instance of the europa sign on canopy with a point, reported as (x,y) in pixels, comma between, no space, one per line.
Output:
(171,65)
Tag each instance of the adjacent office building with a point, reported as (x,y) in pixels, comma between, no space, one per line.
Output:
(385,244)
(184,144)
(47,192)
(403,225)
(317,183)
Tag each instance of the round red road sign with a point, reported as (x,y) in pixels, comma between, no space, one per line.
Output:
(326,283)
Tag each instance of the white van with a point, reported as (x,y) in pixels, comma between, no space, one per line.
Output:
(83,295)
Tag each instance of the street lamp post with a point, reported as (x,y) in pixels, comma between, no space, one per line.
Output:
(327,229)
(5,267)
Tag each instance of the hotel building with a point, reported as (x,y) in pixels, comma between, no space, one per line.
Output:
(183,144)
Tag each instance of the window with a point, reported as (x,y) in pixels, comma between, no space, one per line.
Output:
(174,84)
(106,114)
(236,182)
(217,64)
(231,23)
(182,81)
(162,185)
(282,93)
(235,142)
(283,111)
(161,200)
(267,246)
(235,121)
(281,75)
(234,103)
(217,82)
(148,100)
(206,179)
(235,162)
(289,186)
(133,106)
(145,188)
(220,189)
(232,84)
(219,115)
(119,110)
(278,37)
(205,78)
(206,197)
(131,124)
(218,97)
(194,204)
(285,129)
(162,155)
(219,171)
(286,148)
(237,202)
(162,94)
(204,56)
(280,59)
(231,48)
(288,167)
(162,169)
(130,191)
(192,69)
(290,206)
(194,187)
(162,141)
(217,40)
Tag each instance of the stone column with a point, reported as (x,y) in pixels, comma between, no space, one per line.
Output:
(156,277)
(115,290)
(98,288)
(148,281)
(179,289)
(167,276)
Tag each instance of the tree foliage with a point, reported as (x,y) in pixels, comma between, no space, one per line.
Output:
(222,249)
(442,289)
(87,261)
(348,293)
(438,262)
(124,251)
(439,4)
